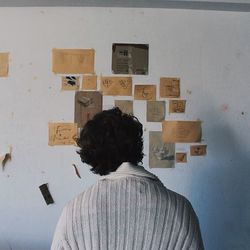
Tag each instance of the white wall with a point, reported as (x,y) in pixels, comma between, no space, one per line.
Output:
(208,50)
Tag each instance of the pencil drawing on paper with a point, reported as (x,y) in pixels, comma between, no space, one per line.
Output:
(62,133)
(161,155)
(169,87)
(177,106)
(155,111)
(124,83)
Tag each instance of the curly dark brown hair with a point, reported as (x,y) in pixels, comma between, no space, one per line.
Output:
(109,139)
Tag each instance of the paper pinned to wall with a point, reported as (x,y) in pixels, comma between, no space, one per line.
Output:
(161,154)
(155,111)
(170,87)
(177,106)
(126,106)
(73,61)
(89,82)
(198,150)
(4,64)
(181,157)
(130,59)
(62,133)
(145,92)
(46,194)
(115,85)
(70,82)
(87,104)
(181,131)
(5,157)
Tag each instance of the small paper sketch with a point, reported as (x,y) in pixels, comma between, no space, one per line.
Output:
(126,106)
(145,92)
(198,150)
(155,111)
(161,155)
(4,64)
(169,87)
(62,134)
(130,59)
(181,157)
(177,106)
(114,85)
(70,82)
(89,82)
(87,104)
(73,61)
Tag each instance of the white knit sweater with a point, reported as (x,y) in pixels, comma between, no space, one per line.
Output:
(128,209)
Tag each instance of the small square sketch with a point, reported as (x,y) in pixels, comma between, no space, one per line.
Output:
(70,82)
(155,111)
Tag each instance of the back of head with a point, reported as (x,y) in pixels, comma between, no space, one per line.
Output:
(109,139)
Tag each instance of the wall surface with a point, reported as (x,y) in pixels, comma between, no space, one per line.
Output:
(208,50)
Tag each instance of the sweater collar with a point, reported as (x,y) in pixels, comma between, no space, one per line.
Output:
(128,169)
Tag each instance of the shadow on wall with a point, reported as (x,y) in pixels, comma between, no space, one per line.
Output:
(224,192)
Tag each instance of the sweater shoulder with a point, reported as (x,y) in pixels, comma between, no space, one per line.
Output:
(147,184)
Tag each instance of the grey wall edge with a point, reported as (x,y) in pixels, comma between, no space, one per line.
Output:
(220,6)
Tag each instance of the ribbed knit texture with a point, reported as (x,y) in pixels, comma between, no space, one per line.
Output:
(131,212)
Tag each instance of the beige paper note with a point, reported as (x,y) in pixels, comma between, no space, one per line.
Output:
(169,87)
(115,85)
(70,82)
(4,64)
(126,106)
(161,154)
(177,106)
(155,111)
(73,61)
(181,157)
(181,131)
(198,150)
(145,92)
(89,82)
(62,134)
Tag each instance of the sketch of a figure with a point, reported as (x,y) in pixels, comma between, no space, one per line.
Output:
(161,155)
